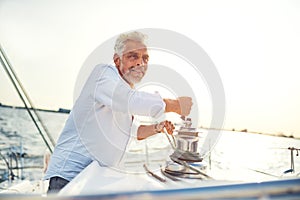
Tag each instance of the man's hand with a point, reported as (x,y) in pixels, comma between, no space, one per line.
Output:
(181,106)
(169,127)
(185,104)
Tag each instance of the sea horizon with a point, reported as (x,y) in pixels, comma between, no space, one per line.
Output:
(67,111)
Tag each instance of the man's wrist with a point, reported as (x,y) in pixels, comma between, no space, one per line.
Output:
(158,127)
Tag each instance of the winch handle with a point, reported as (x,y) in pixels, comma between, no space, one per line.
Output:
(186,121)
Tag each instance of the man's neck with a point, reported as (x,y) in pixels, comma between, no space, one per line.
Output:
(130,84)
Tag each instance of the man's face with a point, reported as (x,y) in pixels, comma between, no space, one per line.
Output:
(133,63)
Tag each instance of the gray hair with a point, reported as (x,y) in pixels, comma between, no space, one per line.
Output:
(124,37)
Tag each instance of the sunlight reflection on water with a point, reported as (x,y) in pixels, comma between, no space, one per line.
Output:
(237,155)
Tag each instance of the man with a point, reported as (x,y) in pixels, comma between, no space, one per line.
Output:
(100,124)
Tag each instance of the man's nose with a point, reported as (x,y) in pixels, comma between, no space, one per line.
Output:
(140,62)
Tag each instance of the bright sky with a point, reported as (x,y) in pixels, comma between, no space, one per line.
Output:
(255,46)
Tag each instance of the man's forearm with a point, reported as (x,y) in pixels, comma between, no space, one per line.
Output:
(181,105)
(172,105)
(145,131)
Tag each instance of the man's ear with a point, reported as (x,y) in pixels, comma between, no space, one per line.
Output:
(117,60)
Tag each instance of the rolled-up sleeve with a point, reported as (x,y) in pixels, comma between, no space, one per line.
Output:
(114,92)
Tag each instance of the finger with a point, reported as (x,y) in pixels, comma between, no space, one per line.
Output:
(165,123)
(170,130)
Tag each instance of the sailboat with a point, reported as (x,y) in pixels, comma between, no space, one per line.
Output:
(176,171)
(183,175)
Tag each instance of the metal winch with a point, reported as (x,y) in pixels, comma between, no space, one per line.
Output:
(187,143)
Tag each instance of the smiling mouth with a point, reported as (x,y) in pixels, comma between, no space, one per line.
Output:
(133,69)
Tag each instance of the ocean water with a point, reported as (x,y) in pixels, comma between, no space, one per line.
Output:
(19,135)
(236,156)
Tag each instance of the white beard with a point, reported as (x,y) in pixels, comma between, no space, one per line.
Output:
(134,75)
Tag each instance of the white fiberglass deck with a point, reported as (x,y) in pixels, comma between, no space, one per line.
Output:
(104,182)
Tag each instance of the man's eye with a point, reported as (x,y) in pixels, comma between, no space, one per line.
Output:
(132,56)
(145,59)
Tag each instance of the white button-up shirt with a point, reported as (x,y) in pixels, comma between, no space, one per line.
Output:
(100,123)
